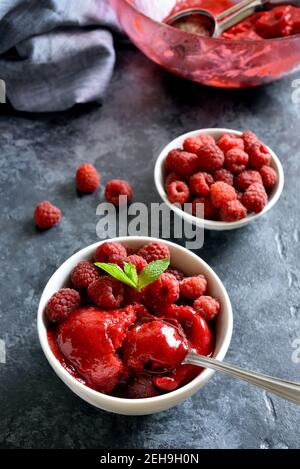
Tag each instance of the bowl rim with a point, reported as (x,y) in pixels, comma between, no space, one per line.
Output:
(90,393)
(211,224)
(215,39)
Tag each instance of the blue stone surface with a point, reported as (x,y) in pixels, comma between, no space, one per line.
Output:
(145,108)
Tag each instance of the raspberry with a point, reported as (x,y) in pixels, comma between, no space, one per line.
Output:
(249,139)
(132,296)
(62,303)
(106,292)
(228,142)
(200,184)
(211,158)
(224,175)
(139,262)
(209,209)
(194,326)
(269,177)
(87,178)
(84,274)
(165,290)
(46,215)
(259,156)
(177,273)
(154,252)
(181,162)
(172,177)
(111,252)
(193,287)
(178,192)
(232,211)
(193,144)
(207,307)
(222,193)
(246,178)
(255,198)
(236,160)
(131,251)
(117,188)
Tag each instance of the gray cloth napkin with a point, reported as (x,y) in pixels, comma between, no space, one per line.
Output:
(56,53)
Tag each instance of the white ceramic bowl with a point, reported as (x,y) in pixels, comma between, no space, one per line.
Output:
(159,177)
(182,259)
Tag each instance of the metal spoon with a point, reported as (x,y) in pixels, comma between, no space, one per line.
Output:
(287,390)
(204,23)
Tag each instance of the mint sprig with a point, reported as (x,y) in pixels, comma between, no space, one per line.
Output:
(129,274)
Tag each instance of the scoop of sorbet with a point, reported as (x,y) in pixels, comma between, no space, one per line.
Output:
(154,345)
(89,337)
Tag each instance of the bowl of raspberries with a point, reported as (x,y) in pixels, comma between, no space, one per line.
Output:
(117,319)
(225,177)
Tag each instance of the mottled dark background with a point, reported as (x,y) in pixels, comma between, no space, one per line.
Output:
(144,109)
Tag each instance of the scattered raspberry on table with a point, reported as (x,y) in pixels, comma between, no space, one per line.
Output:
(46,215)
(118,191)
(87,178)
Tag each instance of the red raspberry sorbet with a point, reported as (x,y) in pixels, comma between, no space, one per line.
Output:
(154,344)
(89,339)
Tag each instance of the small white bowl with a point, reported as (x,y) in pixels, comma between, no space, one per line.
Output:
(182,259)
(159,177)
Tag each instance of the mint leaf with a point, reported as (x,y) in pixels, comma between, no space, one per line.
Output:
(131,272)
(115,271)
(152,272)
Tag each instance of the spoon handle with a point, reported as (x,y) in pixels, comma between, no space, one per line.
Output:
(240,14)
(233,9)
(287,390)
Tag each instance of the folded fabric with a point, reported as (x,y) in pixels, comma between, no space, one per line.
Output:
(56,53)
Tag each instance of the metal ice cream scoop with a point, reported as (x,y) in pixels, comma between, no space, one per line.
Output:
(199,21)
